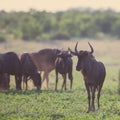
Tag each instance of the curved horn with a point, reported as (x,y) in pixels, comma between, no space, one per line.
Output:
(76,51)
(92,50)
(76,48)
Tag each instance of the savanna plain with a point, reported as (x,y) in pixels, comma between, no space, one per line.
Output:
(63,105)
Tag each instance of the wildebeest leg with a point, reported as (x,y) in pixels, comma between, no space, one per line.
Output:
(64,81)
(47,80)
(39,76)
(71,79)
(45,75)
(36,77)
(56,80)
(93,98)
(18,80)
(98,95)
(7,78)
(5,81)
(25,81)
(89,97)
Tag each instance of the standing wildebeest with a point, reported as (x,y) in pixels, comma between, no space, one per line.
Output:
(29,70)
(63,65)
(45,61)
(10,64)
(93,72)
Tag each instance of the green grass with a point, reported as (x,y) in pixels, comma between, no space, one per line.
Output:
(51,105)
(64,105)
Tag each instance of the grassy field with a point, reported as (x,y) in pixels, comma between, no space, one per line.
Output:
(63,105)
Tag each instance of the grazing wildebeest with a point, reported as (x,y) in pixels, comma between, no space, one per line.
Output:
(93,73)
(45,61)
(29,71)
(4,81)
(10,64)
(63,65)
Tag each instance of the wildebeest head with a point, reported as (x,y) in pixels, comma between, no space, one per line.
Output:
(64,54)
(83,56)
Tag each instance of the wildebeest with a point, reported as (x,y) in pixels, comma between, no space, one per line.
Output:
(45,61)
(4,81)
(29,71)
(93,72)
(63,65)
(10,64)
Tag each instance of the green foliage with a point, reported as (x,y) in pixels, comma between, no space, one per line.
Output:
(69,24)
(63,105)
(116,28)
(2,38)
(51,105)
(43,37)
(60,36)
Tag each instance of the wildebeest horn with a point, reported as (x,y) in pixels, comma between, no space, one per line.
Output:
(76,48)
(74,53)
(70,51)
(92,50)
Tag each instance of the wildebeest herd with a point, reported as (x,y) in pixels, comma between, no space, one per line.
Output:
(30,66)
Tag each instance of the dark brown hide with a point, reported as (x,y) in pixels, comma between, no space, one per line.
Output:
(29,71)
(4,81)
(10,64)
(93,73)
(63,65)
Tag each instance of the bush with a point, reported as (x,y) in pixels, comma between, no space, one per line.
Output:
(60,36)
(43,37)
(2,38)
(26,37)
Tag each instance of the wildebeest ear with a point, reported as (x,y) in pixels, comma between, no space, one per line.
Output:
(73,53)
(69,53)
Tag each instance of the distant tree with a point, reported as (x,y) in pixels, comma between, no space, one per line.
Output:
(2,38)
(116,28)
(75,23)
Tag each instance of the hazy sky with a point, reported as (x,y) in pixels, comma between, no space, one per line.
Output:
(56,5)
